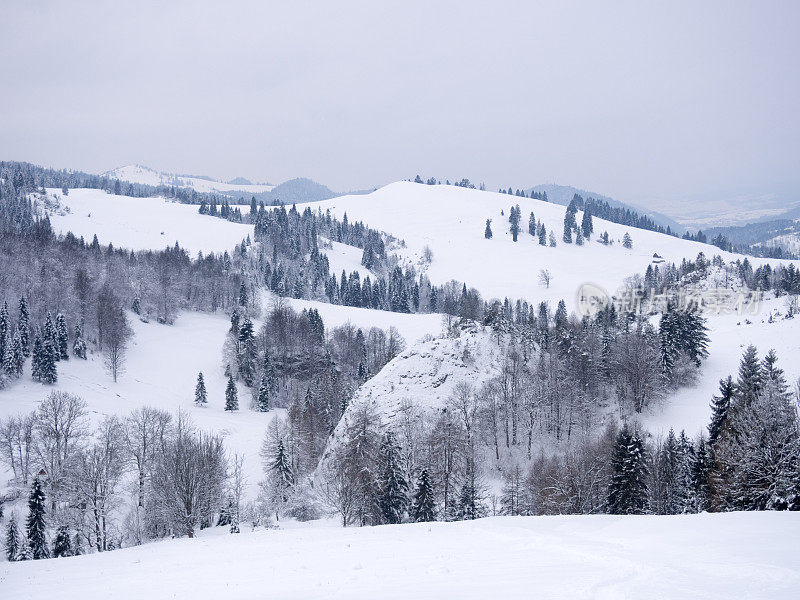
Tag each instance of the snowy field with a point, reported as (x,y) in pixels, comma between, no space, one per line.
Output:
(143,223)
(729,335)
(148,176)
(707,556)
(451,221)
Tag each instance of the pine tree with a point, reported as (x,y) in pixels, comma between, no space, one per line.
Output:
(720,406)
(62,546)
(200,395)
(487,233)
(50,337)
(469,505)
(79,344)
(423,506)
(567,237)
(627,241)
(628,492)
(262,400)
(532,225)
(282,475)
(5,338)
(393,487)
(248,353)
(700,487)
(231,395)
(13,542)
(774,379)
(514,216)
(542,235)
(24,327)
(750,381)
(62,337)
(49,372)
(578,237)
(586,224)
(35,525)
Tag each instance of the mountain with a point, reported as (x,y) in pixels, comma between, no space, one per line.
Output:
(296,190)
(562,194)
(200,183)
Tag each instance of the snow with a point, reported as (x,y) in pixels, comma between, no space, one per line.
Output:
(342,257)
(451,220)
(729,335)
(148,176)
(708,556)
(161,371)
(142,223)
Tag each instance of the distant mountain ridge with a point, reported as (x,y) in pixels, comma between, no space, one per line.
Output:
(562,194)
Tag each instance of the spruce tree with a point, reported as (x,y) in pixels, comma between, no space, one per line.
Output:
(281,468)
(5,337)
(700,487)
(50,337)
(542,235)
(24,327)
(586,224)
(262,401)
(200,395)
(231,395)
(247,352)
(532,225)
(35,525)
(567,237)
(487,233)
(627,241)
(720,406)
(13,542)
(62,337)
(37,360)
(393,487)
(62,546)
(750,381)
(423,505)
(79,344)
(49,372)
(628,492)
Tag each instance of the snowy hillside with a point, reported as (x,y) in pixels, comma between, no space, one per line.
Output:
(451,220)
(707,556)
(148,176)
(142,223)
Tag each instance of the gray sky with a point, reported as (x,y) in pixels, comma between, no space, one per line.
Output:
(649,104)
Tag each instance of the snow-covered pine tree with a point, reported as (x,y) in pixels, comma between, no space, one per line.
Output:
(720,406)
(393,487)
(551,239)
(49,371)
(532,225)
(5,337)
(281,474)
(24,327)
(514,217)
(567,237)
(422,509)
(750,380)
(200,394)
(79,344)
(578,237)
(263,398)
(13,541)
(62,337)
(35,525)
(231,395)
(587,227)
(51,335)
(469,504)
(487,233)
(62,546)
(542,233)
(248,352)
(627,241)
(701,465)
(628,492)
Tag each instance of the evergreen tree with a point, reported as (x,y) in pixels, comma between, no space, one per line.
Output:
(628,492)
(49,372)
(24,327)
(586,224)
(79,344)
(393,487)
(13,542)
(269,376)
(469,505)
(700,488)
(514,216)
(62,546)
(567,237)
(532,225)
(35,525)
(578,237)
(248,353)
(62,337)
(282,475)
(50,337)
(423,506)
(720,406)
(38,358)
(627,241)
(200,395)
(542,235)
(5,337)
(231,395)
(262,401)
(750,381)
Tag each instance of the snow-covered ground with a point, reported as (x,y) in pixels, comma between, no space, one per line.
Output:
(142,223)
(148,176)
(451,220)
(729,335)
(706,556)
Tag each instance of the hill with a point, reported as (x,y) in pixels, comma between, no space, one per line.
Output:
(710,556)
(200,183)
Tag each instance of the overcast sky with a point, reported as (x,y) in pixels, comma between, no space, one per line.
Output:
(649,104)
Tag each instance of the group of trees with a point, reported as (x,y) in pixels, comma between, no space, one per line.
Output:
(128,479)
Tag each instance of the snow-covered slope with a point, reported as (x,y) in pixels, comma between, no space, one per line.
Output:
(706,556)
(142,223)
(148,176)
(450,220)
